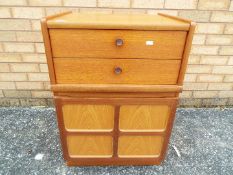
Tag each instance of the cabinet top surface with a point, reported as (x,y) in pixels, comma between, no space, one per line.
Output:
(117,21)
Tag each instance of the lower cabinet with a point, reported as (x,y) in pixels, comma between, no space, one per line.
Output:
(115,130)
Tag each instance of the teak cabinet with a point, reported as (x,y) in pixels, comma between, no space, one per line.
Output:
(116,80)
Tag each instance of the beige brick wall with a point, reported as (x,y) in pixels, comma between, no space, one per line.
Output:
(24,73)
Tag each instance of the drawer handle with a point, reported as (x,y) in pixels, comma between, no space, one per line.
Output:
(117,70)
(119,42)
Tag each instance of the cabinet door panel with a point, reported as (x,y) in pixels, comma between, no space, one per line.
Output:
(139,146)
(143,117)
(89,146)
(88,117)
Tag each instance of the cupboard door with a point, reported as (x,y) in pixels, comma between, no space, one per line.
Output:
(144,117)
(89,146)
(88,117)
(139,146)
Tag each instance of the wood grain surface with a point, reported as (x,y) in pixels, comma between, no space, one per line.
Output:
(89,146)
(101,71)
(88,117)
(101,43)
(139,146)
(143,117)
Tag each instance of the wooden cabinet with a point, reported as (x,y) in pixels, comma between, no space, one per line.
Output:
(116,81)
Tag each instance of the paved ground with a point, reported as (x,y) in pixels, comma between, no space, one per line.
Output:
(203,137)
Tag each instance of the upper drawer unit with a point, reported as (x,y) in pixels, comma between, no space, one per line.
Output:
(84,43)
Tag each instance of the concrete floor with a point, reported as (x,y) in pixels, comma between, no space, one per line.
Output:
(29,144)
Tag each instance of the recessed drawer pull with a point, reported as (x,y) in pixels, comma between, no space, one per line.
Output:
(119,42)
(118,70)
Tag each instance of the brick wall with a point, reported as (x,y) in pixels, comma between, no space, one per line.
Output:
(24,77)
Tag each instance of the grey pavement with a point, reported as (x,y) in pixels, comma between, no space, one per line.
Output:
(201,143)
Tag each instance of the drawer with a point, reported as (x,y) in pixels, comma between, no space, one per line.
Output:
(116,71)
(132,44)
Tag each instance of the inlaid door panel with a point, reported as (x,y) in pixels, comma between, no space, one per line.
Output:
(89,146)
(144,117)
(79,117)
(139,146)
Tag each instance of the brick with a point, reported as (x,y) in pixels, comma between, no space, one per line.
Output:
(38,77)
(195,86)
(220,86)
(194,59)
(147,4)
(24,67)
(114,3)
(199,69)
(186,94)
(214,60)
(80,3)
(190,102)
(205,94)
(13,2)
(15,24)
(17,93)
(209,78)
(45,2)
(32,102)
(223,70)
(5,12)
(47,86)
(226,50)
(1,48)
(19,47)
(210,28)
(204,50)
(55,10)
(34,58)
(36,26)
(225,94)
(44,68)
(7,36)
(28,12)
(181,4)
(230,61)
(29,85)
(29,36)
(40,47)
(4,67)
(218,16)
(7,85)
(198,16)
(169,12)
(199,39)
(190,77)
(13,77)
(9,102)
(213,4)
(1,93)
(228,29)
(228,78)
(10,57)
(129,11)
(231,6)
(102,11)
(214,102)
(41,94)
(219,39)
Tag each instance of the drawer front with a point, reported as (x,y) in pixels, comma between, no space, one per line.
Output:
(116,71)
(102,43)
